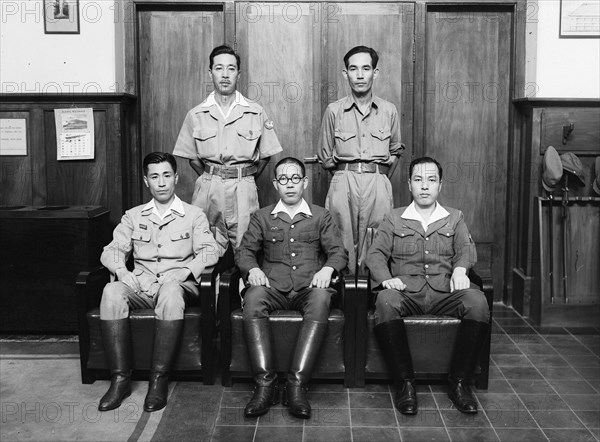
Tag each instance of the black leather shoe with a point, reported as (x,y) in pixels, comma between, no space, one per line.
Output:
(405,398)
(158,391)
(120,388)
(262,399)
(462,396)
(294,396)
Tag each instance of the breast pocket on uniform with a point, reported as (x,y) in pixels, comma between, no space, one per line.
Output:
(405,242)
(346,144)
(446,241)
(381,141)
(274,246)
(248,139)
(206,142)
(141,240)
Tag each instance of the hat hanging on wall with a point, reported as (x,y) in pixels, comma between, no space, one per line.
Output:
(572,164)
(552,170)
(596,184)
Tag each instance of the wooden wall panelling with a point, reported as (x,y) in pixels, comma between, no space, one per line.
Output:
(280,44)
(174,44)
(466,98)
(17,171)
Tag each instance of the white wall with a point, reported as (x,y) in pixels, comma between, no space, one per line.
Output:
(565,67)
(34,62)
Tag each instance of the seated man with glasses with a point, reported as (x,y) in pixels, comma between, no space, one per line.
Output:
(301,248)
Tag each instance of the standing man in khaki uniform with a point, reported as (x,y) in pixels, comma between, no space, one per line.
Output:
(228,140)
(359,143)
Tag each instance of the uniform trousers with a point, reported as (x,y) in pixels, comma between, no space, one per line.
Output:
(228,204)
(312,302)
(356,202)
(468,303)
(168,303)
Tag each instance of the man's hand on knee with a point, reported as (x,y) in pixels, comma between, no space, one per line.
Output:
(459,280)
(257,277)
(129,279)
(178,275)
(394,283)
(322,278)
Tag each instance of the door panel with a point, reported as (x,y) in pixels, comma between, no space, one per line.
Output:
(466,110)
(174,44)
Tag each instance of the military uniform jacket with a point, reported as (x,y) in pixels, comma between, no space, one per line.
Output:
(161,246)
(293,250)
(402,249)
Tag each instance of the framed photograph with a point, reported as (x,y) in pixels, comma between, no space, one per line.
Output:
(61,16)
(579,19)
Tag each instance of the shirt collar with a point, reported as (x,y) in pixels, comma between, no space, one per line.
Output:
(176,207)
(302,208)
(239,100)
(375,102)
(438,213)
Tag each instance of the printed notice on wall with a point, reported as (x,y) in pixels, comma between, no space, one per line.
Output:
(13,136)
(74,133)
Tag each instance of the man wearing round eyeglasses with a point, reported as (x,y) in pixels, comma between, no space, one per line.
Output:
(228,140)
(302,248)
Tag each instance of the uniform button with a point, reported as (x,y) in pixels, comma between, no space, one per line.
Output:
(427,276)
(291,239)
(427,252)
(363,135)
(158,259)
(160,228)
(293,254)
(402,234)
(427,239)
(447,234)
(293,267)
(426,266)
(273,239)
(292,226)
(159,246)
(158,275)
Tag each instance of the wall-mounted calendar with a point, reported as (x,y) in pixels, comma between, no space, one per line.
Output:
(74,133)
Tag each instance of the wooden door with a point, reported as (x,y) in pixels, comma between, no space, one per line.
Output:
(174,42)
(466,96)
(293,57)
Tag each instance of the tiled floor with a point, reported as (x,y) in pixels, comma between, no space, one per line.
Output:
(543,386)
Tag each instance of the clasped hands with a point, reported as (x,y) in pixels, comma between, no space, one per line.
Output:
(458,281)
(321,279)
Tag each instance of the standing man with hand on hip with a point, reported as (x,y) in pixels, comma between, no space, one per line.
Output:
(228,140)
(360,144)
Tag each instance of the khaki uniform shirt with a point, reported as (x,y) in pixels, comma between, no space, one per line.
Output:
(244,137)
(403,249)
(347,135)
(180,240)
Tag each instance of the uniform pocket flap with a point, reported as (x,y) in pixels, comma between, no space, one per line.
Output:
(179,235)
(141,235)
(274,236)
(204,133)
(381,134)
(446,232)
(344,136)
(404,232)
(309,236)
(249,135)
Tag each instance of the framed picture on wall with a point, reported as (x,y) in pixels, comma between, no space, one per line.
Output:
(579,19)
(61,16)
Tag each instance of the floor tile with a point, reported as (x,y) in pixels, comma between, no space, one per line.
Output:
(582,330)
(591,419)
(370,400)
(495,372)
(574,348)
(551,330)
(234,416)
(426,401)
(364,417)
(454,418)
(518,418)
(327,388)
(566,373)
(288,434)
(472,434)
(499,401)
(536,349)
(329,400)
(371,434)
(588,372)
(235,399)
(443,402)
(376,388)
(531,386)
(571,387)
(548,360)
(521,435)
(324,417)
(500,339)
(227,433)
(583,361)
(556,419)
(561,435)
(499,386)
(506,349)
(518,360)
(583,401)
(328,434)
(423,419)
(421,434)
(535,402)
(521,372)
(279,417)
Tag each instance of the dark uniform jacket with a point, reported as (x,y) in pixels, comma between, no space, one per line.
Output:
(293,250)
(402,249)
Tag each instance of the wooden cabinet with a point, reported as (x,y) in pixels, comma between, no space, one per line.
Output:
(42,249)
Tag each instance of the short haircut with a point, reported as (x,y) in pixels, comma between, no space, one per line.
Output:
(290,160)
(224,49)
(359,50)
(424,160)
(157,158)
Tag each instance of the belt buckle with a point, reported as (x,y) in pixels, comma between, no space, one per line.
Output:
(360,168)
(239,173)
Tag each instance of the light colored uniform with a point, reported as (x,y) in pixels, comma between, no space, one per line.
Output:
(360,148)
(230,146)
(181,239)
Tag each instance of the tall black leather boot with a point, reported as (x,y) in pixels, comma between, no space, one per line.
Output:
(308,344)
(469,340)
(262,358)
(166,342)
(116,339)
(392,339)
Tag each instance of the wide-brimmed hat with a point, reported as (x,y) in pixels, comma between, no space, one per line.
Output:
(552,169)
(596,184)
(572,164)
